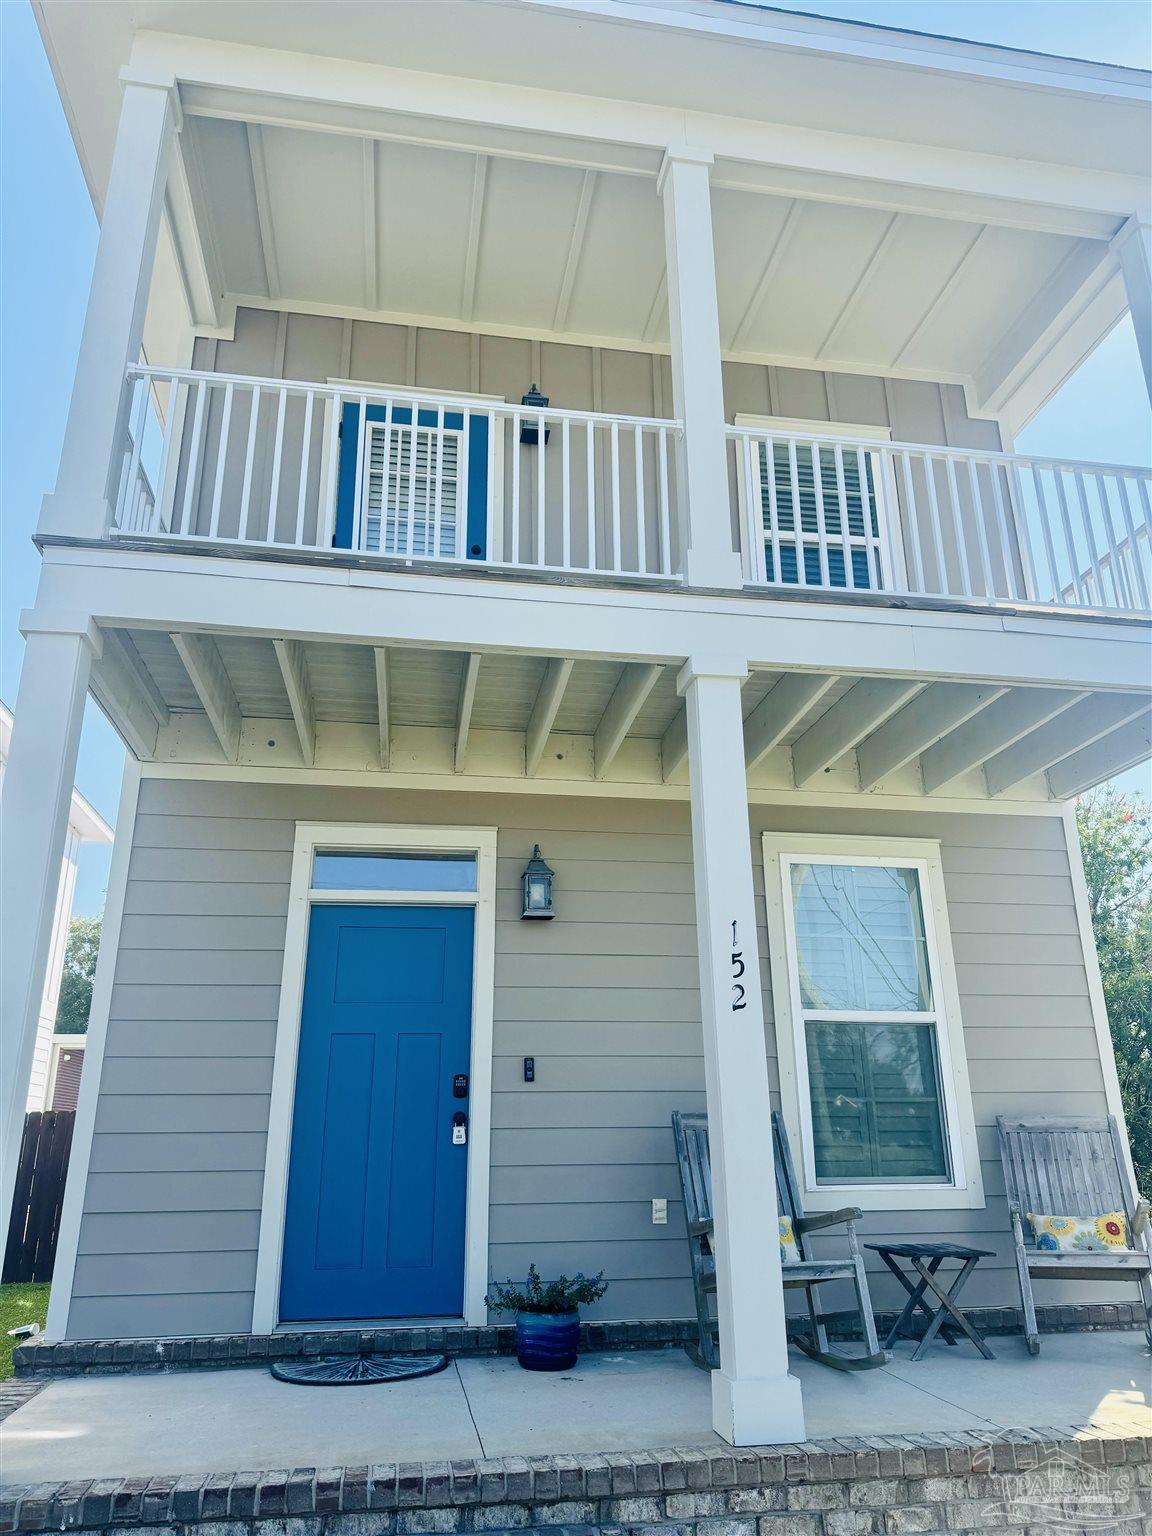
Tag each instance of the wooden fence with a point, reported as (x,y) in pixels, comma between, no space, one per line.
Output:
(40,1174)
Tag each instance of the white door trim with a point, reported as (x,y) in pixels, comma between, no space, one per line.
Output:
(301,898)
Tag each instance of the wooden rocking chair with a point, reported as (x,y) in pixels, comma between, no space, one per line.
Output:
(691,1134)
(1060,1167)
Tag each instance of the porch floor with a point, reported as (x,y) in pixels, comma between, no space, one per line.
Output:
(214,1421)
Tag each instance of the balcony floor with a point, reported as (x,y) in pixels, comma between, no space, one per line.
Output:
(210,1421)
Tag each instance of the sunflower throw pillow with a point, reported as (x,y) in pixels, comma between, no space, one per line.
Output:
(789,1249)
(1080,1234)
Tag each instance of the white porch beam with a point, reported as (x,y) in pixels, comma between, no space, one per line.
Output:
(1133,245)
(472,237)
(544,711)
(780,711)
(383,703)
(754,1399)
(919,725)
(1070,732)
(674,746)
(575,251)
(1086,270)
(294,671)
(93,444)
(1126,748)
(195,253)
(1000,725)
(866,705)
(128,696)
(259,166)
(34,807)
(213,687)
(468,680)
(697,384)
(636,682)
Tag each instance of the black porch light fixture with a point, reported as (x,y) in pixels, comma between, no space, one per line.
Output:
(530,430)
(537,884)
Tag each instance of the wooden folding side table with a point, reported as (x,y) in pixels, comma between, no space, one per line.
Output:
(924,1259)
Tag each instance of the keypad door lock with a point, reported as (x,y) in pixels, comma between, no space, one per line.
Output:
(459,1128)
(460,1086)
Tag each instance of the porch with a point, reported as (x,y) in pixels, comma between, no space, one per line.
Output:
(953,1433)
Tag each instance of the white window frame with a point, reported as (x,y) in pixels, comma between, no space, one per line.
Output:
(964,1188)
(303,896)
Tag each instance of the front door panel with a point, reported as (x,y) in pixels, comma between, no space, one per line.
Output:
(376,1185)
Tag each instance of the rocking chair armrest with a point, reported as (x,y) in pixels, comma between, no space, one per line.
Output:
(822,1219)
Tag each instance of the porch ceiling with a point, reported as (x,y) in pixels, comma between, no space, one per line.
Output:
(463,237)
(193,697)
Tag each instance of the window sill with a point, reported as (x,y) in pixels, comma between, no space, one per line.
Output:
(894,1197)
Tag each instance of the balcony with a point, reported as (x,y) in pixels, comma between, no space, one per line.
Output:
(411,477)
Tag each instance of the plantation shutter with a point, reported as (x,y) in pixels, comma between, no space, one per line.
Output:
(412,490)
(780,494)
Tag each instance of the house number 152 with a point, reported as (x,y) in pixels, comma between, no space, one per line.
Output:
(739,999)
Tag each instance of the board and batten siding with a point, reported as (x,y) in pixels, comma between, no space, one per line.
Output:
(605,998)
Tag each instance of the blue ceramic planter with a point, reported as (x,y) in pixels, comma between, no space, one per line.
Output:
(547,1341)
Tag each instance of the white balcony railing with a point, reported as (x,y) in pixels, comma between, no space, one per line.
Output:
(401,474)
(819,512)
(407,475)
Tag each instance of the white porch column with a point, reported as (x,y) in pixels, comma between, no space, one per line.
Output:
(33,825)
(697,385)
(1133,245)
(114,321)
(754,1399)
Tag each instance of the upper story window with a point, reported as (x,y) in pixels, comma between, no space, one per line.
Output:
(869,1036)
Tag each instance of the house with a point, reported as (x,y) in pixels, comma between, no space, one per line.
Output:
(57,1060)
(582,424)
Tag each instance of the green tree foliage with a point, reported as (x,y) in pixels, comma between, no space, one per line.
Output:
(1116,839)
(79,969)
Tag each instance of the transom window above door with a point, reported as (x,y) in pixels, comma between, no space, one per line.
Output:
(869,1041)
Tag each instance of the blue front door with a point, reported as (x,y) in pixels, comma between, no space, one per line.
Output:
(376,1183)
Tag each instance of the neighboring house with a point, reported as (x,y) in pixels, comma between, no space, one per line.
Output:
(84,826)
(755,624)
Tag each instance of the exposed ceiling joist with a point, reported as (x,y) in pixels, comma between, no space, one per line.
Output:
(264,209)
(472,240)
(1002,723)
(1112,754)
(545,710)
(636,682)
(575,250)
(468,681)
(294,670)
(118,643)
(209,678)
(780,711)
(1071,731)
(866,705)
(371,254)
(919,725)
(120,689)
(383,704)
(674,746)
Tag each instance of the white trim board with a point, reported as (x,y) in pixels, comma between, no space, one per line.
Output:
(310,836)
(72,1211)
(965,1190)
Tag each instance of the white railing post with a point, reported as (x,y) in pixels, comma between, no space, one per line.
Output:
(706,552)
(114,320)
(1133,245)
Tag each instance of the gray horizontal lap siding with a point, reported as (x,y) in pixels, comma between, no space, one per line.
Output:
(605,999)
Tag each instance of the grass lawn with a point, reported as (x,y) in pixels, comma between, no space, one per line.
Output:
(19,1304)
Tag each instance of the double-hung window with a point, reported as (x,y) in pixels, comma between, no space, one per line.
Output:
(871,1050)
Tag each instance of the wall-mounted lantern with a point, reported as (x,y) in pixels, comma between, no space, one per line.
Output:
(537,882)
(530,430)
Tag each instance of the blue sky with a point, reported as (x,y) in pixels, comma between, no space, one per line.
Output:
(48,241)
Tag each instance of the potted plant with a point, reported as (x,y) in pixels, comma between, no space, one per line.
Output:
(547,1316)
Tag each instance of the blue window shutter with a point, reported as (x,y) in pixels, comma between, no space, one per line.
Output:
(477,521)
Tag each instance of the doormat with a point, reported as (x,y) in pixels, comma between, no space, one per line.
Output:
(356,1370)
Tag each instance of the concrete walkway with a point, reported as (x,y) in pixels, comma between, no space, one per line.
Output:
(216,1421)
